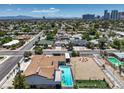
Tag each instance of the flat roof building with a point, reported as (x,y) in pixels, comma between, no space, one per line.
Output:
(14,42)
(88,16)
(119,55)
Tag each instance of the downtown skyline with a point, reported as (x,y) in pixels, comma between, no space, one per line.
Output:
(53,10)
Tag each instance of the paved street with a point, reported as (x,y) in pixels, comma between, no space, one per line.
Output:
(13,53)
(9,52)
(6,66)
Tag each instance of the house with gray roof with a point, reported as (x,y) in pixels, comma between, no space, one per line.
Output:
(78,42)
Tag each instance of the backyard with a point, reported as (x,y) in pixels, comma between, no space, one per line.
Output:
(92,84)
(81,65)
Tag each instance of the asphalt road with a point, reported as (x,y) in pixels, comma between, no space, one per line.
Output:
(9,64)
(12,53)
(6,67)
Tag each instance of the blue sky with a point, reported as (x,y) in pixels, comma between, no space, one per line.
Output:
(56,10)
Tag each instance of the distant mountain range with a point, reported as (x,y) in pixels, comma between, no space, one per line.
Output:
(30,17)
(18,17)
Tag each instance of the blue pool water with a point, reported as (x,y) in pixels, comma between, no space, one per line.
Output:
(66,76)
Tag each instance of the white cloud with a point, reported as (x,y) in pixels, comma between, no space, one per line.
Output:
(50,10)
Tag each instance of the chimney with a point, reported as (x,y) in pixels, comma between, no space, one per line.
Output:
(37,71)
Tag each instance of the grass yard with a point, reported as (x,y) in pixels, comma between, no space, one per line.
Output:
(101,84)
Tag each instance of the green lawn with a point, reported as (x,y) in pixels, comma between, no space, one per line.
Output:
(101,84)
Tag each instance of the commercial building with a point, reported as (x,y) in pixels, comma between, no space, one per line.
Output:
(114,15)
(121,15)
(106,15)
(88,16)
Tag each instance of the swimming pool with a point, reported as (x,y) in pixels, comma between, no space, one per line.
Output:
(114,61)
(66,76)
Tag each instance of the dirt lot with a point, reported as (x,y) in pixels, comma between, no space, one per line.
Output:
(85,68)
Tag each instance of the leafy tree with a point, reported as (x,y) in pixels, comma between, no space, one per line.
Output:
(45,46)
(111,34)
(74,53)
(40,27)
(120,69)
(122,44)
(13,47)
(2,33)
(36,43)
(27,54)
(16,33)
(70,47)
(86,36)
(92,31)
(50,37)
(19,80)
(38,50)
(116,44)
(5,40)
(102,42)
(105,24)
(96,25)
(97,34)
(27,29)
(90,45)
